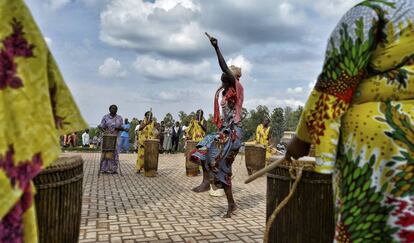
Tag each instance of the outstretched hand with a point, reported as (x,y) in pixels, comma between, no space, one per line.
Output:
(213,40)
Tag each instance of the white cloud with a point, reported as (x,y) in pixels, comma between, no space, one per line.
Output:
(272,102)
(331,8)
(280,42)
(112,68)
(242,62)
(291,15)
(165,25)
(293,102)
(171,69)
(297,90)
(180,95)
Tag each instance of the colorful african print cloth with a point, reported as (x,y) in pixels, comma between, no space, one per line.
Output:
(110,160)
(360,119)
(262,137)
(144,134)
(36,107)
(194,131)
(217,151)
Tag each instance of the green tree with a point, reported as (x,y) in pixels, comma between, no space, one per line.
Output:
(252,120)
(168,120)
(277,124)
(292,117)
(184,118)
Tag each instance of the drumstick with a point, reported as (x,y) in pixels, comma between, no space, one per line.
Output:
(207,35)
(264,170)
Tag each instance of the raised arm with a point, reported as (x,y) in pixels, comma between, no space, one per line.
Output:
(223,65)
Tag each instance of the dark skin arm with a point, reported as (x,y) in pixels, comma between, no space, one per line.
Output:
(142,125)
(297,149)
(229,80)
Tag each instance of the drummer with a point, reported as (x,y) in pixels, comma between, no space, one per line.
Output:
(146,131)
(197,128)
(111,124)
(263,136)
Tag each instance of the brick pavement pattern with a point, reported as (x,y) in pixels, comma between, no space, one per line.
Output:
(134,208)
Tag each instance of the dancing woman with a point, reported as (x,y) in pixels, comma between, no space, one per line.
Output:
(216,152)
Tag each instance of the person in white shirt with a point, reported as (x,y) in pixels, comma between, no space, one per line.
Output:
(85,138)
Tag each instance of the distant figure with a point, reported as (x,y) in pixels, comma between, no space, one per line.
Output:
(146,131)
(263,136)
(111,124)
(161,136)
(124,138)
(72,140)
(167,143)
(197,128)
(176,134)
(85,139)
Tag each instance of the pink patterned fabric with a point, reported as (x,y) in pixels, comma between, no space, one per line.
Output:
(233,95)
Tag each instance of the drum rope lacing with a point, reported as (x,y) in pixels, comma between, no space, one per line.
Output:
(296,174)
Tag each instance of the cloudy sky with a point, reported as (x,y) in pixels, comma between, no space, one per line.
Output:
(142,54)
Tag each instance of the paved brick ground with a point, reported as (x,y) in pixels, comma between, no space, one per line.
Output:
(134,208)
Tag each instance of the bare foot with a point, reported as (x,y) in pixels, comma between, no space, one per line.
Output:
(230,210)
(202,188)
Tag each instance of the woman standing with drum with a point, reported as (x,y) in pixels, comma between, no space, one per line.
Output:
(146,131)
(216,152)
(111,124)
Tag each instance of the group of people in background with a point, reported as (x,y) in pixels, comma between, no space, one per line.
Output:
(169,135)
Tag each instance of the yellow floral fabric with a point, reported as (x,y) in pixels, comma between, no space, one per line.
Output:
(144,134)
(194,131)
(360,117)
(36,107)
(262,137)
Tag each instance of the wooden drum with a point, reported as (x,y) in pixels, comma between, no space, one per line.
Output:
(309,214)
(255,157)
(191,169)
(109,144)
(151,157)
(59,200)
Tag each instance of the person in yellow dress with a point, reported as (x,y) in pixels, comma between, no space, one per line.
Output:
(32,95)
(263,135)
(197,128)
(360,117)
(146,131)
